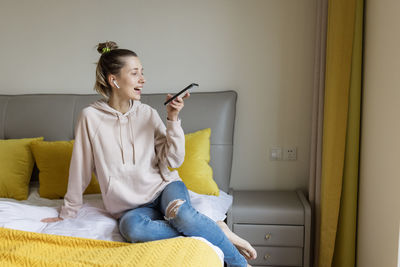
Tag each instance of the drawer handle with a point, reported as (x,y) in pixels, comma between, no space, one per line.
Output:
(267,257)
(268,236)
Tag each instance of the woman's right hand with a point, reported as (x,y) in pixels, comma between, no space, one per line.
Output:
(50,220)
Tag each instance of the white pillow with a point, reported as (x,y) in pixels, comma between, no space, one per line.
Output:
(215,207)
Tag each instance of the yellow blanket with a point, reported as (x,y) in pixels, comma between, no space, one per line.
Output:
(20,248)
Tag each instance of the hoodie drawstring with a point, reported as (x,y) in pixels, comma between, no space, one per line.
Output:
(120,139)
(131,138)
(121,144)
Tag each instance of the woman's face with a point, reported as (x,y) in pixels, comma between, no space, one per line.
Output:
(130,79)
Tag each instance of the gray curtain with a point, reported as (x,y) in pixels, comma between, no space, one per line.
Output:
(314,191)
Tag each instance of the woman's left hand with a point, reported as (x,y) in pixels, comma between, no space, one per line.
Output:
(175,106)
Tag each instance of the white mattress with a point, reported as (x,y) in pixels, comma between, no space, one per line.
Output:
(92,220)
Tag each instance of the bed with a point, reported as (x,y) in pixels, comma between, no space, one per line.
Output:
(93,237)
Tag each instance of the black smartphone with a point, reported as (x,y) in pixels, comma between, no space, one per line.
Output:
(181,93)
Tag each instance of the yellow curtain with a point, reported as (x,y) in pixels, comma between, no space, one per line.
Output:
(341,134)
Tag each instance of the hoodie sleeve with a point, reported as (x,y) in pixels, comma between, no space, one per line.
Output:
(169,142)
(80,170)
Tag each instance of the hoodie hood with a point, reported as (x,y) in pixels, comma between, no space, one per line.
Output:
(102,105)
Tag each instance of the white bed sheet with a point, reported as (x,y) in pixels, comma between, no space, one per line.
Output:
(92,220)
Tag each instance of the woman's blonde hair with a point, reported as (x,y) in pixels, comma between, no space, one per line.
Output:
(111,62)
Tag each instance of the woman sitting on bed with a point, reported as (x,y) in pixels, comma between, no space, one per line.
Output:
(129,148)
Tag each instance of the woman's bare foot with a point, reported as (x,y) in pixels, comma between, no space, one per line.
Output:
(242,245)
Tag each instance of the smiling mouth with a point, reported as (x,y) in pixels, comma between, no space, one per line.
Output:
(138,90)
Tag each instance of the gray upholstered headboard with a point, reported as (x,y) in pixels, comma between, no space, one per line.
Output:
(53,116)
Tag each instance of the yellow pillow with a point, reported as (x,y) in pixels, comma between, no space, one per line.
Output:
(16,164)
(195,171)
(53,159)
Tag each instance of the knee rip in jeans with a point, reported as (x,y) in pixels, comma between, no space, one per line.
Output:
(173,208)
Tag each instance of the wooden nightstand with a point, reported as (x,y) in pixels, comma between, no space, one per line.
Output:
(276,223)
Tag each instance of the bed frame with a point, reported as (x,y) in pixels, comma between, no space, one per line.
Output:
(53,116)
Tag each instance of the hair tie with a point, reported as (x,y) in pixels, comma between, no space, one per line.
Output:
(105,50)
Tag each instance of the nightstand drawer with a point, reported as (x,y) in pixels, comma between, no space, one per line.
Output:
(271,235)
(278,256)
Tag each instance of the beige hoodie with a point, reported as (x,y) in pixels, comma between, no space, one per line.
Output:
(129,153)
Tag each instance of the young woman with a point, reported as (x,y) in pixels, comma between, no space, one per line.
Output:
(129,148)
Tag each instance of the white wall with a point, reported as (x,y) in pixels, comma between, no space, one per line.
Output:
(263,49)
(379,214)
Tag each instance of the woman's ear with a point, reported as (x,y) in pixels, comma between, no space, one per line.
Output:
(112,82)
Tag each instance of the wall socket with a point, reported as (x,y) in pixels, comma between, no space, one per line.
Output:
(290,153)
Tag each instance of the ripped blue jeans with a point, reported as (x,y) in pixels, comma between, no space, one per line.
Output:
(150,222)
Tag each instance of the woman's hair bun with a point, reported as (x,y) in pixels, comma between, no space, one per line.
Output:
(107,46)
